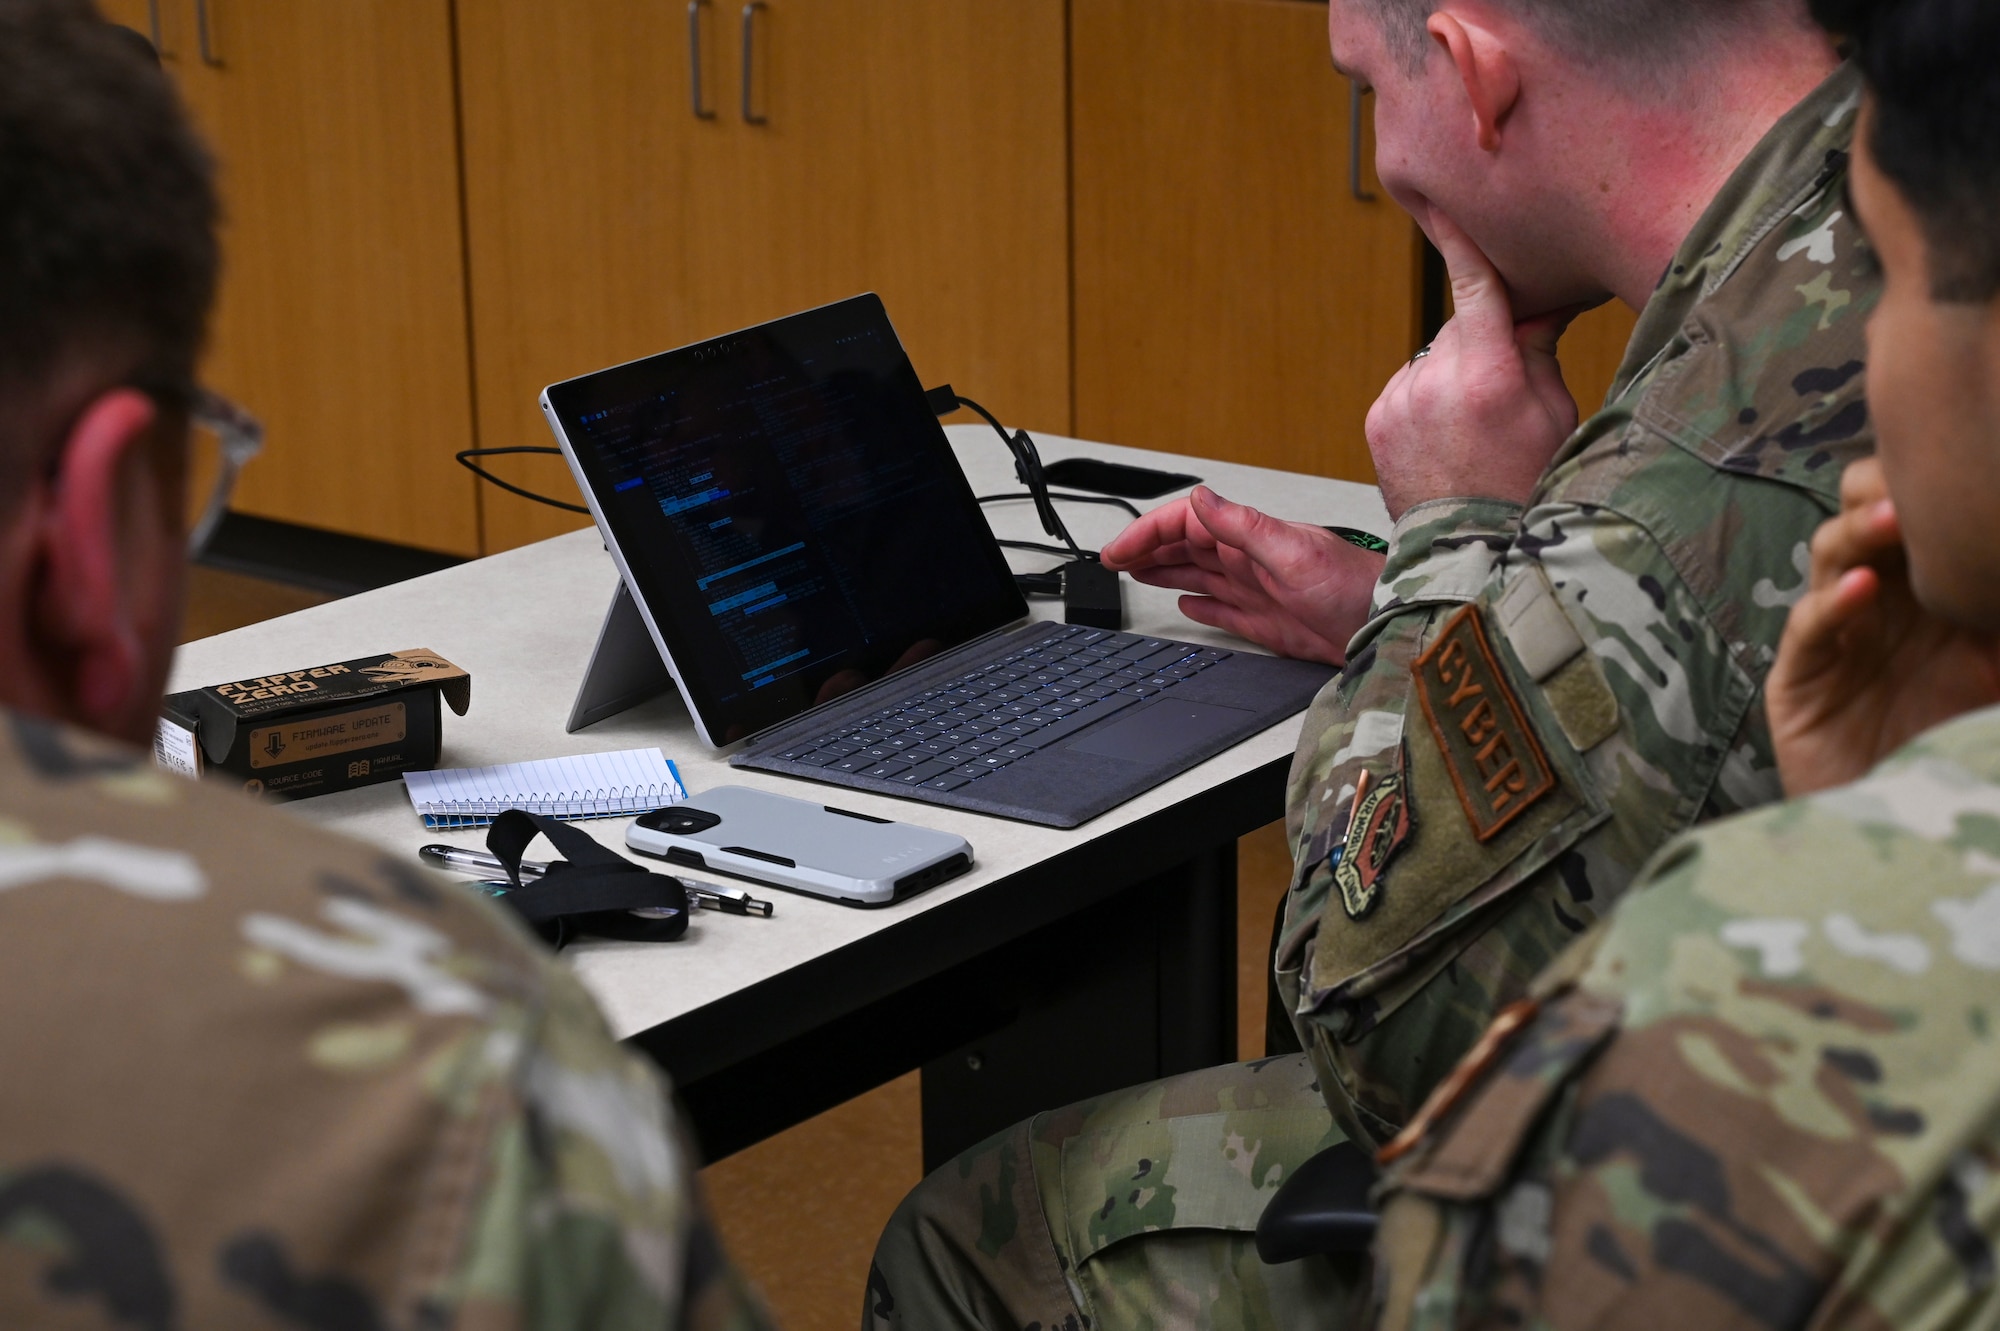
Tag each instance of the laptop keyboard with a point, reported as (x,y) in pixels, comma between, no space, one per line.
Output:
(989,718)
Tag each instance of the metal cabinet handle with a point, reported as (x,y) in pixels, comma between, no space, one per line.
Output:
(694,60)
(1354,145)
(750,117)
(153,19)
(205,30)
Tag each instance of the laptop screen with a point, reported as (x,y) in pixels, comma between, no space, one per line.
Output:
(789,509)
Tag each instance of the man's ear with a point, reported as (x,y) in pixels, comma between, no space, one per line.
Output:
(1491,79)
(84,610)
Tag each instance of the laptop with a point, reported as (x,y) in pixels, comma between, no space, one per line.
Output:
(808,562)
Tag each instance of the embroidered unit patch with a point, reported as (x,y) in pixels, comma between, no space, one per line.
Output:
(1495,760)
(1377,829)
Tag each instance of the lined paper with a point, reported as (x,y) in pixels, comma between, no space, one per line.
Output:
(589,785)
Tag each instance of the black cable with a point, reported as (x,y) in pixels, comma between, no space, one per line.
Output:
(1040,584)
(1027,466)
(465,457)
(1041,549)
(1028,469)
(1059,496)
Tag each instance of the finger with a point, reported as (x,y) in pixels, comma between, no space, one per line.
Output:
(1240,566)
(1142,540)
(1200,581)
(1161,556)
(1864,536)
(1266,540)
(1538,339)
(1541,335)
(1187,554)
(1863,484)
(1817,638)
(1286,637)
(1480,305)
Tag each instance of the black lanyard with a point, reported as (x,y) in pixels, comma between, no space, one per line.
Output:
(591,890)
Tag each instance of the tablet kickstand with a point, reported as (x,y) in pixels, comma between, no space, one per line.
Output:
(625,667)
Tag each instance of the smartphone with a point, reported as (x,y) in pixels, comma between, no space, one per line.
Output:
(805,847)
(1115,478)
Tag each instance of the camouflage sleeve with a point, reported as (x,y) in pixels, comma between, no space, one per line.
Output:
(1527,719)
(1767,1099)
(590,1214)
(1441,556)
(257,1075)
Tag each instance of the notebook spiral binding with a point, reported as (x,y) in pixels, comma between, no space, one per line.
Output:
(604,785)
(587,804)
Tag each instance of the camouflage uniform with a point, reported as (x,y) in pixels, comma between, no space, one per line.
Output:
(1543,698)
(1764,1093)
(257,1076)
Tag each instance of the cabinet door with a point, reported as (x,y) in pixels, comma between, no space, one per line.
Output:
(341,319)
(917,148)
(910,147)
(582,198)
(138,15)
(1592,350)
(1233,298)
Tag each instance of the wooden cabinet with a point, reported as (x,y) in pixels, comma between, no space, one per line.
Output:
(1591,352)
(1234,298)
(911,147)
(341,322)
(1127,219)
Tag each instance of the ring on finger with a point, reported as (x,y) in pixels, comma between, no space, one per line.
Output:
(1422,352)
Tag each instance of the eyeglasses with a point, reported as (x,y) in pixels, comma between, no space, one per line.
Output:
(223,438)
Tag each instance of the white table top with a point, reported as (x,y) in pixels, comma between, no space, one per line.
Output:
(524,622)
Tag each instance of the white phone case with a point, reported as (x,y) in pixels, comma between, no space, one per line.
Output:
(817,849)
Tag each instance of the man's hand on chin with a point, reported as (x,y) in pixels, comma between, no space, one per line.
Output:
(1479,416)
(1290,587)
(1485,410)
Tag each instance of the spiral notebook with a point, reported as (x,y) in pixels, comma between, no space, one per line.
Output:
(590,785)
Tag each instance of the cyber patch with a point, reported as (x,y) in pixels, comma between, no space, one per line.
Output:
(1494,757)
(1376,830)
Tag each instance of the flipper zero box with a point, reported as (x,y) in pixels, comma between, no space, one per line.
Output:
(317,730)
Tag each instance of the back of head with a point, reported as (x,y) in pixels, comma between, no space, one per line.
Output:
(107,214)
(1931,65)
(1651,35)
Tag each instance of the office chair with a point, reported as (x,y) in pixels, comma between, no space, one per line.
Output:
(1322,1209)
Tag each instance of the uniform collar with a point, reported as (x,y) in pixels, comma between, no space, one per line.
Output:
(1789,165)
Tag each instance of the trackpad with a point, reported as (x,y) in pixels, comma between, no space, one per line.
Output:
(1161,730)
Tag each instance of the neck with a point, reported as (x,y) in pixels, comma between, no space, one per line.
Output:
(1665,160)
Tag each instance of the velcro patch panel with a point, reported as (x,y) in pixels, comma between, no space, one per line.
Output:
(1495,760)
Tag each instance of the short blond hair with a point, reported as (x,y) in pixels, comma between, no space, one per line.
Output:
(1611,31)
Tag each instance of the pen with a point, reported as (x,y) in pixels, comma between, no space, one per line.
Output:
(701,896)
(730,900)
(474,861)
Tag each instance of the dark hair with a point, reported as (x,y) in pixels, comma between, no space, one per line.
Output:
(107,202)
(1629,32)
(1931,65)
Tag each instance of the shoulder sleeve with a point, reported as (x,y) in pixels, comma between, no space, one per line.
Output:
(1571,705)
(257,1074)
(590,1213)
(1792,1121)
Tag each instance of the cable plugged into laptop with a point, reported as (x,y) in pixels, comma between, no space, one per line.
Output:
(1027,464)
(1091,594)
